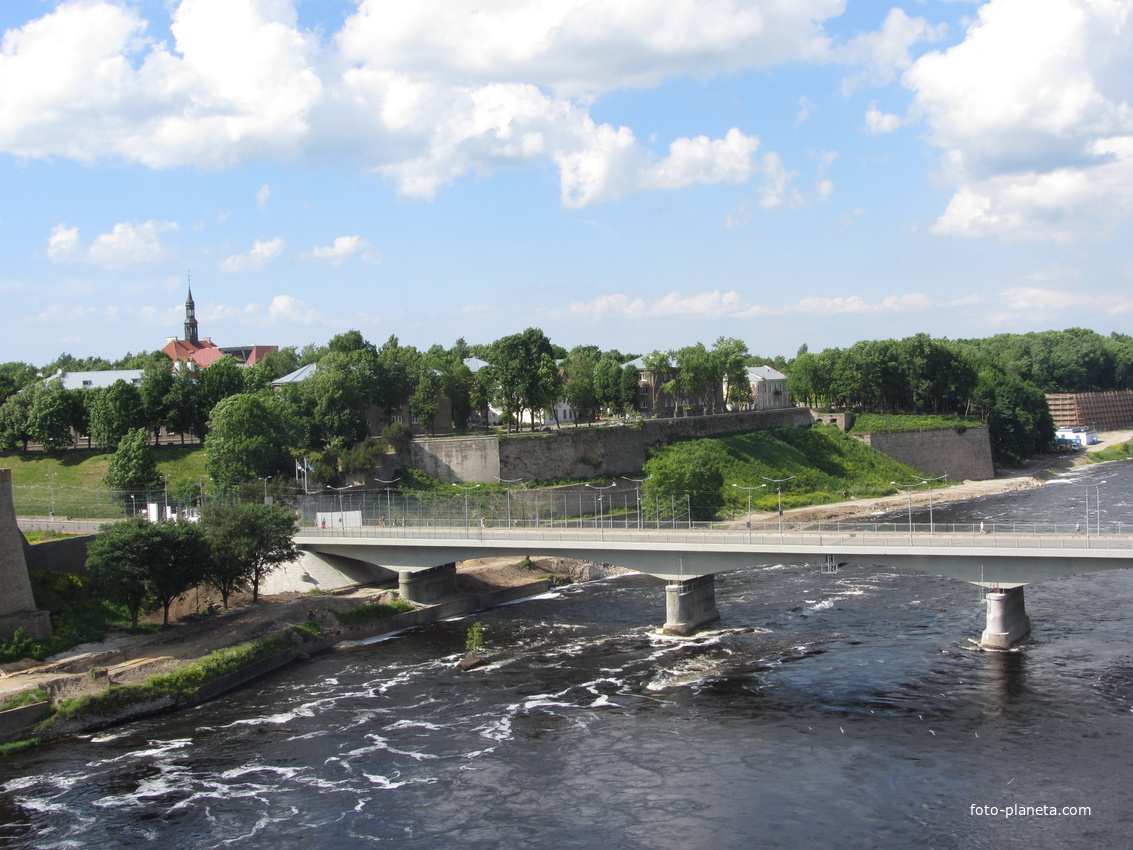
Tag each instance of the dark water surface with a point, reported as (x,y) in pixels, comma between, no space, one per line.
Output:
(843,710)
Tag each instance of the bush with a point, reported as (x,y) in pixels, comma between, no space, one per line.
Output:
(369,613)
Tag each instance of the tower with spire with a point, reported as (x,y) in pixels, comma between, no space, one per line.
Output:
(190,318)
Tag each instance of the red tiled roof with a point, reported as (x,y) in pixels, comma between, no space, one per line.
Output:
(181,349)
(205,357)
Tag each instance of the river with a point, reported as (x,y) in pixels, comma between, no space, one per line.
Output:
(842,710)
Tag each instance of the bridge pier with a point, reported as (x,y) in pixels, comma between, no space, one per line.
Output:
(1007,620)
(425,587)
(690,604)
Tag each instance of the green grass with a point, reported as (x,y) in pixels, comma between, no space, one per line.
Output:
(74,479)
(34,537)
(1122,451)
(369,613)
(25,698)
(883,423)
(825,464)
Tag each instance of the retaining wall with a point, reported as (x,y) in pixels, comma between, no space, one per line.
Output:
(964,456)
(581,452)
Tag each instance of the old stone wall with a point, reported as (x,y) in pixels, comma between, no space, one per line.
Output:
(581,452)
(67,555)
(964,456)
(13,569)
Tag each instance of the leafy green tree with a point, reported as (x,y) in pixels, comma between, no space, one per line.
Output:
(132,466)
(337,396)
(15,416)
(113,411)
(457,384)
(606,384)
(626,399)
(183,413)
(53,413)
(157,382)
(693,468)
(248,438)
(581,394)
(248,541)
(423,402)
(179,562)
(119,560)
(523,381)
(14,376)
(222,379)
(727,367)
(392,376)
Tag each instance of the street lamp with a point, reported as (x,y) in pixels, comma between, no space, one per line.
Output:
(508,491)
(928,481)
(637,489)
(51,480)
(341,510)
(779,482)
(389,511)
(909,493)
(165,487)
(1097,506)
(466,489)
(748,490)
(610,486)
(133,505)
(266,480)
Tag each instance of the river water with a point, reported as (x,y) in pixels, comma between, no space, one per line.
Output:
(839,710)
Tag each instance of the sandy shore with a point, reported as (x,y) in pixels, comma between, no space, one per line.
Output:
(1035,473)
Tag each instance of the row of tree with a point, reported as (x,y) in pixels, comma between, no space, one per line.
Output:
(135,562)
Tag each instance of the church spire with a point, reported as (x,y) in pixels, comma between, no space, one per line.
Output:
(190,317)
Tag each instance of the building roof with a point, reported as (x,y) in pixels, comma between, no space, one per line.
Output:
(96,380)
(183,350)
(298,376)
(475,364)
(764,373)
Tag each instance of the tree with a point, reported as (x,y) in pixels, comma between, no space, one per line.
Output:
(423,402)
(338,395)
(113,411)
(581,393)
(727,367)
(692,469)
(118,563)
(626,399)
(222,379)
(248,438)
(518,366)
(157,381)
(14,376)
(14,417)
(180,561)
(132,466)
(457,383)
(182,409)
(53,412)
(248,541)
(606,382)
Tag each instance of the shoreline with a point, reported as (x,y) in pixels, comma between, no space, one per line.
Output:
(1035,473)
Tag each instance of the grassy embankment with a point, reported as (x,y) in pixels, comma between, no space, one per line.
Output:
(1122,451)
(826,465)
(76,479)
(885,423)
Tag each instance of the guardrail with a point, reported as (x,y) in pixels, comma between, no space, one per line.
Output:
(845,538)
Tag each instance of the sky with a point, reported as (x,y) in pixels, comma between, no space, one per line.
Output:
(639,174)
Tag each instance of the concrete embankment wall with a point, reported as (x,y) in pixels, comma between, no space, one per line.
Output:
(68,555)
(581,452)
(964,455)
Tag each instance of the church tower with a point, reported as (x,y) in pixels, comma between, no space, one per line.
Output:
(190,318)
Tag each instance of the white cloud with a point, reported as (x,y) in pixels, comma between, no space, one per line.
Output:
(262,253)
(1032,112)
(731,305)
(63,244)
(806,107)
(128,244)
(885,51)
(422,93)
(285,308)
(877,122)
(343,248)
(263,196)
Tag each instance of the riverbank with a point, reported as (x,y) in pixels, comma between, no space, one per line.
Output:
(1034,473)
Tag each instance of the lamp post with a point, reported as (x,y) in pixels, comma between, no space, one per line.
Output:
(610,486)
(133,505)
(51,481)
(341,510)
(266,480)
(779,482)
(928,481)
(165,487)
(466,489)
(909,493)
(509,481)
(389,510)
(637,490)
(1097,506)
(748,491)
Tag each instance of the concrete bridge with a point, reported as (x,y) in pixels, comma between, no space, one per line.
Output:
(425,559)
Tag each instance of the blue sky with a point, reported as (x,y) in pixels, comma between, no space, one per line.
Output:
(638,175)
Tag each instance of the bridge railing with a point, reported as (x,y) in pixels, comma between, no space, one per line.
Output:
(845,539)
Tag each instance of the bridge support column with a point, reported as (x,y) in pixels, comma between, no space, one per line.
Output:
(427,586)
(1007,620)
(690,604)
